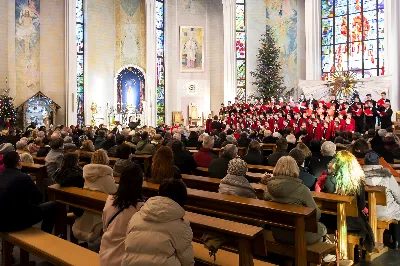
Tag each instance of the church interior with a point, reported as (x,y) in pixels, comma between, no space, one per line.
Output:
(199,132)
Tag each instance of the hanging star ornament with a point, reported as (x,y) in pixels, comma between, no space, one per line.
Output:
(342,84)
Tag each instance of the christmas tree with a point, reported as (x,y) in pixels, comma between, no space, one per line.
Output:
(7,111)
(267,76)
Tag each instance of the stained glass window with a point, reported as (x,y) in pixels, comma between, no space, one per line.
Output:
(80,106)
(160,90)
(241,49)
(352,37)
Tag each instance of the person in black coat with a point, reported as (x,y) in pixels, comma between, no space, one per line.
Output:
(243,141)
(192,140)
(386,116)
(20,199)
(70,175)
(216,125)
(218,168)
(281,150)
(182,158)
(254,155)
(307,178)
(319,164)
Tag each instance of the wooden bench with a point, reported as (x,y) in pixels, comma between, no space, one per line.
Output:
(145,158)
(38,170)
(248,236)
(260,168)
(254,211)
(252,177)
(48,247)
(268,147)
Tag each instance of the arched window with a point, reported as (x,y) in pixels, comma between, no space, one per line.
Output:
(160,91)
(353,37)
(80,107)
(241,49)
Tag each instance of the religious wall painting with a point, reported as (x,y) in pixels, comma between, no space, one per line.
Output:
(130,82)
(130,32)
(191,49)
(27,45)
(281,17)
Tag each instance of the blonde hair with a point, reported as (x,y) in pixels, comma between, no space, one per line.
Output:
(26,158)
(303,147)
(286,166)
(348,174)
(87,145)
(100,157)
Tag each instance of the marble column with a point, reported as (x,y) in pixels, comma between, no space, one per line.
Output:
(151,73)
(392,49)
(313,39)
(229,50)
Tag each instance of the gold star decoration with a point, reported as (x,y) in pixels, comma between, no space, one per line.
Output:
(342,84)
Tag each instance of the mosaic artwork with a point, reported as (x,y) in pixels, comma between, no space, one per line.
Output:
(241,49)
(353,37)
(130,23)
(192,49)
(27,45)
(160,64)
(282,18)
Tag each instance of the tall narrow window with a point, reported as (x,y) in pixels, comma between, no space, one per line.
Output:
(80,107)
(160,91)
(353,37)
(241,49)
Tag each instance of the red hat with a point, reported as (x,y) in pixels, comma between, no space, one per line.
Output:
(343,112)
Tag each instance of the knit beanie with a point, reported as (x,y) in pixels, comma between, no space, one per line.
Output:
(237,167)
(371,158)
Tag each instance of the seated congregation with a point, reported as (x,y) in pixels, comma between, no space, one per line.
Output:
(155,194)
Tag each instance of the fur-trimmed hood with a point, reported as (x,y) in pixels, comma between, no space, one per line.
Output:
(376,173)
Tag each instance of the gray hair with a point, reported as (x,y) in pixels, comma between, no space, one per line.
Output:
(382,132)
(26,157)
(67,139)
(177,136)
(291,138)
(230,150)
(208,142)
(20,145)
(277,135)
(328,148)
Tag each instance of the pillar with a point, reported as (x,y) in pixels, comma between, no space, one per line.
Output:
(229,50)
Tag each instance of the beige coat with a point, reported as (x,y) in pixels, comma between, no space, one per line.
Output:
(112,246)
(158,235)
(100,178)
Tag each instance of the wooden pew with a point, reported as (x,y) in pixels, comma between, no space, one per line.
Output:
(254,211)
(260,168)
(268,147)
(48,247)
(145,158)
(95,201)
(252,177)
(38,170)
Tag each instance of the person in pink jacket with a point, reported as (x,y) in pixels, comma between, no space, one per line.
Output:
(117,213)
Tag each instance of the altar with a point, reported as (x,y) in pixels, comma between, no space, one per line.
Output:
(130,88)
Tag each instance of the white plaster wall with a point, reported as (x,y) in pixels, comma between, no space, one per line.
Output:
(52,49)
(301,43)
(3,43)
(99,55)
(256,26)
(207,14)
